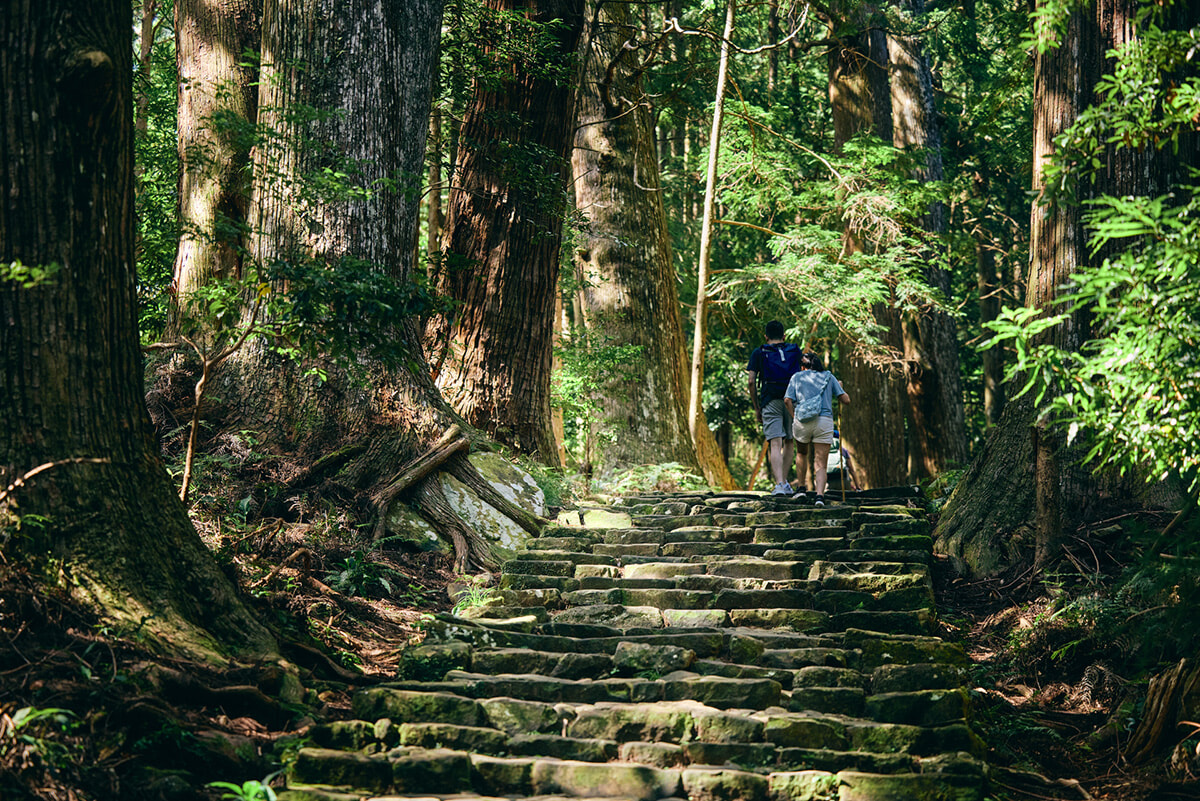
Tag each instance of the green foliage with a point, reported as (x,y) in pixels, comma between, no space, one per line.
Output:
(666,477)
(829,289)
(475,596)
(39,729)
(1131,390)
(361,575)
(556,484)
(1133,387)
(156,154)
(590,367)
(27,276)
(251,790)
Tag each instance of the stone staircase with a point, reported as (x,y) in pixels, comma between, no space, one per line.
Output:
(710,647)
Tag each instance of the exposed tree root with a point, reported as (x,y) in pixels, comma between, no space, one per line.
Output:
(470,550)
(1163,711)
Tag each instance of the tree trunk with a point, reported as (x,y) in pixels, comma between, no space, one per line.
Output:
(873,423)
(503,232)
(71,369)
(625,251)
(937,436)
(700,332)
(1027,488)
(217,89)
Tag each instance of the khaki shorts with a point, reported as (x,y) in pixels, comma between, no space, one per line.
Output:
(774,426)
(818,430)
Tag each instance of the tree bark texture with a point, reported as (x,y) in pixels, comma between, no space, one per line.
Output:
(215,82)
(873,424)
(503,233)
(625,252)
(70,364)
(937,435)
(373,89)
(991,508)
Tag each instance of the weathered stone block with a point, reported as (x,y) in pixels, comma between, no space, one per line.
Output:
(717,784)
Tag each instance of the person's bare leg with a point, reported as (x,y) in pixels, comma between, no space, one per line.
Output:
(821,460)
(776,457)
(787,457)
(802,466)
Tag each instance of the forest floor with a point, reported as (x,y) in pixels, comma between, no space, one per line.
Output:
(89,714)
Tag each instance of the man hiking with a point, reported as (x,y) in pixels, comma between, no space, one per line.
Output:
(770,369)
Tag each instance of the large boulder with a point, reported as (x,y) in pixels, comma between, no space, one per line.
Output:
(516,485)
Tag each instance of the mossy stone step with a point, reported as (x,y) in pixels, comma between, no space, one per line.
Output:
(559,747)
(914,622)
(758,599)
(577,544)
(548,663)
(827,761)
(732,670)
(872,582)
(695,534)
(760,569)
(574,557)
(705,549)
(616,616)
(670,522)
(539,567)
(911,526)
(628,549)
(918,707)
(675,722)
(855,786)
(634,536)
(924,676)
(799,620)
(894,542)
(875,649)
(661,569)
(906,599)
(656,597)
(800,658)
(775,535)
(859,555)
(523,581)
(614,582)
(832,700)
(399,771)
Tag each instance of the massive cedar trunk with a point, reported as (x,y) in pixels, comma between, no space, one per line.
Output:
(937,436)
(70,366)
(625,253)
(372,97)
(504,229)
(218,95)
(1026,488)
(873,424)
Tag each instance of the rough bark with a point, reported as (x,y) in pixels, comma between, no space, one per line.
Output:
(873,423)
(937,436)
(629,292)
(985,525)
(215,81)
(503,232)
(70,365)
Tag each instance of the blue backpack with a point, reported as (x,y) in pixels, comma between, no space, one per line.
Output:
(780,362)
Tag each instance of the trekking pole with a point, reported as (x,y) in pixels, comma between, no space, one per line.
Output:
(845,468)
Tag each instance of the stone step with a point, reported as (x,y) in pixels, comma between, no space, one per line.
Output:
(773,535)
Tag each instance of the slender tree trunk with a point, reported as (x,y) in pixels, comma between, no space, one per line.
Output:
(700,332)
(625,251)
(937,435)
(433,219)
(217,93)
(145,47)
(70,364)
(503,232)
(873,424)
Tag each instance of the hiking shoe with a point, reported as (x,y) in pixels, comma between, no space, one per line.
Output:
(820,501)
(801,496)
(781,489)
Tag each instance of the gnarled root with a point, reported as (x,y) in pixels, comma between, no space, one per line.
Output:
(471,552)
